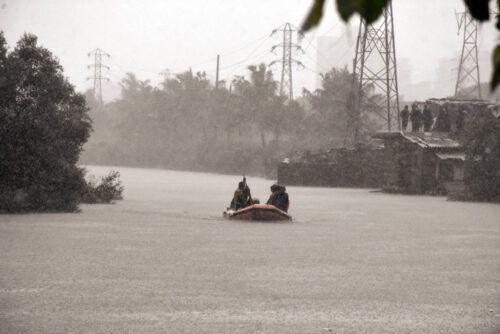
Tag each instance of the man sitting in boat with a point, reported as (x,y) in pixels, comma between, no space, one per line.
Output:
(279,197)
(242,197)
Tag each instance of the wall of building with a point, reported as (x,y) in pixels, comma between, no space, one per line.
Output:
(348,168)
(412,169)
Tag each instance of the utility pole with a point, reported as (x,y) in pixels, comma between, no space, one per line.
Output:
(468,83)
(97,77)
(287,60)
(217,74)
(375,68)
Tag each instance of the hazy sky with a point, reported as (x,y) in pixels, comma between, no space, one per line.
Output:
(148,36)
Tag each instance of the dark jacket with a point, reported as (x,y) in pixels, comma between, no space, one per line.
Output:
(241,199)
(443,121)
(427,115)
(279,199)
(416,115)
(405,113)
(427,118)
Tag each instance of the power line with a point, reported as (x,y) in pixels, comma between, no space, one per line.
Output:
(157,70)
(244,61)
(246,46)
(311,39)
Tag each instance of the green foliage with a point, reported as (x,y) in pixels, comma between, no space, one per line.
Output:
(333,108)
(495,77)
(104,190)
(482,140)
(479,9)
(314,16)
(330,105)
(370,10)
(43,125)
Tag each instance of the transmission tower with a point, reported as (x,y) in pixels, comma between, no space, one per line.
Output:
(375,72)
(287,60)
(468,83)
(97,77)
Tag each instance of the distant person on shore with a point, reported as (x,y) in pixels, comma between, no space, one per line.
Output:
(427,118)
(460,120)
(242,197)
(279,197)
(415,118)
(405,113)
(443,120)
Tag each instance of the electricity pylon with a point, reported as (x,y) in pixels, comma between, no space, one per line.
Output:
(286,83)
(468,83)
(97,77)
(375,79)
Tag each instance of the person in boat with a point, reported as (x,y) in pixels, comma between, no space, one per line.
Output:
(279,197)
(242,197)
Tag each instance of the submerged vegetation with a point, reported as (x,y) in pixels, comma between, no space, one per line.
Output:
(43,126)
(103,190)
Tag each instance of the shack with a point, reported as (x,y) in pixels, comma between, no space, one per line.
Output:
(421,163)
(432,162)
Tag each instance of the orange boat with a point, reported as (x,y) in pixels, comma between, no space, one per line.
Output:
(257,212)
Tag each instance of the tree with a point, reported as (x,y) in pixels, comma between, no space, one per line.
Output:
(332,119)
(370,10)
(257,99)
(330,104)
(189,124)
(43,125)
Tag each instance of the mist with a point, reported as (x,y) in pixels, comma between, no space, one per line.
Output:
(210,167)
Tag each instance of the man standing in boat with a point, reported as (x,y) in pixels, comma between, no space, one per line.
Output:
(242,197)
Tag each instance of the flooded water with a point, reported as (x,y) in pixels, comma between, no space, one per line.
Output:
(164,261)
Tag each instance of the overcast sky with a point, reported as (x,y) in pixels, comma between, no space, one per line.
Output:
(148,36)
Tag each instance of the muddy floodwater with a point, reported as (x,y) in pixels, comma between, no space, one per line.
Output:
(164,261)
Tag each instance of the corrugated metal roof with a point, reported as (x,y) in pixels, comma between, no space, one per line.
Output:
(451,156)
(432,139)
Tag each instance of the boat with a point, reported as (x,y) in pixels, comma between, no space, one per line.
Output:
(257,212)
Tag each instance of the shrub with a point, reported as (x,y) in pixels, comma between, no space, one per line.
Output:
(104,190)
